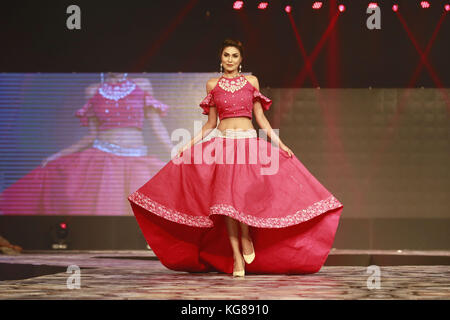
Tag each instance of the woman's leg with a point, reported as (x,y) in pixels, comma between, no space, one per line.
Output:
(247,245)
(233,233)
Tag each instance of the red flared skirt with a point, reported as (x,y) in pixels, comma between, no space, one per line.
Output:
(292,218)
(88,182)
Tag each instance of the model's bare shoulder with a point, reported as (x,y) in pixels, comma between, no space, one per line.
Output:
(142,82)
(253,80)
(91,90)
(211,83)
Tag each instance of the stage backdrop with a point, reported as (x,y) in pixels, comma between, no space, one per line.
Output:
(37,119)
(383,152)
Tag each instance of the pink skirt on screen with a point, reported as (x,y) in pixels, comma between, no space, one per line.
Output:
(94,181)
(292,218)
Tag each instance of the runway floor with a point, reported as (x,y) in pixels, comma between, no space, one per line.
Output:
(139,275)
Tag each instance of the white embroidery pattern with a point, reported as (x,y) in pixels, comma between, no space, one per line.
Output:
(167,213)
(120,150)
(118,92)
(302,215)
(232,85)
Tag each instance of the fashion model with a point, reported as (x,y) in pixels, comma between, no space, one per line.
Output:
(95,175)
(236,216)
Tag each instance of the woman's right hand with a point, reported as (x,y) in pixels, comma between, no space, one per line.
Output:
(50,158)
(180,150)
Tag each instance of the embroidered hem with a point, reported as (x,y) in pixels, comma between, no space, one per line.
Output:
(300,216)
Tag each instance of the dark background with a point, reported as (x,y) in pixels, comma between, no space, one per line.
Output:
(382,152)
(185,36)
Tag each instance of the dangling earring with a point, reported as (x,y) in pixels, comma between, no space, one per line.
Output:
(221,68)
(240,68)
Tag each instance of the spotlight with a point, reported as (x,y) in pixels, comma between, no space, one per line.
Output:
(424,4)
(59,234)
(287,9)
(395,7)
(373,5)
(447,7)
(262,5)
(317,5)
(237,5)
(341,8)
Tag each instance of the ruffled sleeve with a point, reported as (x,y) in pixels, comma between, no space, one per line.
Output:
(207,103)
(149,100)
(85,112)
(265,102)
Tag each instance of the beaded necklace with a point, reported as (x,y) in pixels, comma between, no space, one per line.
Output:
(117,91)
(232,84)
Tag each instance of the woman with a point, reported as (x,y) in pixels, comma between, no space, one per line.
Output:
(95,175)
(191,213)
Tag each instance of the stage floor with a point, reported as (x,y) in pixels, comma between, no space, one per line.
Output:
(139,275)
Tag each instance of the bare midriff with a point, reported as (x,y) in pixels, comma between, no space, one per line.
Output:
(133,137)
(130,137)
(242,123)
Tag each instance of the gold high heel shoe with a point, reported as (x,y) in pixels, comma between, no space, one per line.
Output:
(240,273)
(250,257)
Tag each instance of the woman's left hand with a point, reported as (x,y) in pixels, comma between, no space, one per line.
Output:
(285,148)
(50,158)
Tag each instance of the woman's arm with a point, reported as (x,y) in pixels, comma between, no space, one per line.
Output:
(159,128)
(153,116)
(81,144)
(85,141)
(210,124)
(263,123)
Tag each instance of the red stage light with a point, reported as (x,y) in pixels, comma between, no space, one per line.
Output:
(424,4)
(447,7)
(373,5)
(262,5)
(395,7)
(317,5)
(63,225)
(341,8)
(237,5)
(287,9)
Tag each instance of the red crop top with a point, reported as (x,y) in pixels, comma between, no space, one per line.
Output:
(119,105)
(234,97)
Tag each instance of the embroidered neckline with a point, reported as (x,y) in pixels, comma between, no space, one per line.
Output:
(117,91)
(232,84)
